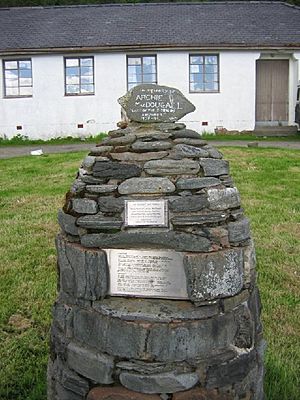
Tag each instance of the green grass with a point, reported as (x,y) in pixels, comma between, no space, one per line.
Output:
(20,140)
(32,190)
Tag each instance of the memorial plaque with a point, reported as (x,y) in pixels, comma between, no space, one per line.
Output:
(146,213)
(154,103)
(147,273)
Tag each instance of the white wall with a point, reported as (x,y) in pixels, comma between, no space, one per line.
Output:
(49,113)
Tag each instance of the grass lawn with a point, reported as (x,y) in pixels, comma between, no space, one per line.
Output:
(32,189)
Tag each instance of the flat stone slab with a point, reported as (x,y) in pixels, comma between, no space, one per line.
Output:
(84,206)
(214,167)
(186,150)
(115,170)
(196,183)
(67,223)
(154,103)
(90,364)
(214,275)
(223,199)
(188,203)
(150,155)
(153,310)
(168,382)
(146,186)
(83,272)
(140,145)
(101,188)
(99,222)
(171,167)
(140,238)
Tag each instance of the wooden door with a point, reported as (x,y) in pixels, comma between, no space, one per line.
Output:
(272,82)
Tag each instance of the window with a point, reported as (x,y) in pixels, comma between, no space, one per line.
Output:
(17,78)
(79,76)
(141,69)
(204,73)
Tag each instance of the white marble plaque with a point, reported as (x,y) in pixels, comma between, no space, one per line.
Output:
(146,213)
(147,273)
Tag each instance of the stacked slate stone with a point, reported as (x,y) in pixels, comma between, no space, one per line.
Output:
(208,346)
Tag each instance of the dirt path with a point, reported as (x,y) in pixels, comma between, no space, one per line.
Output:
(18,151)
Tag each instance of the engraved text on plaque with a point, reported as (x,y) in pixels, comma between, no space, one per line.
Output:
(146,213)
(147,273)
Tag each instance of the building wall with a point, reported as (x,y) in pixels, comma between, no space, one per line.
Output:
(49,113)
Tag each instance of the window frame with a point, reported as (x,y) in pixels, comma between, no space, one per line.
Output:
(4,69)
(200,54)
(80,75)
(141,56)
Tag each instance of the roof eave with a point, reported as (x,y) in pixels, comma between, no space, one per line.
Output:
(148,47)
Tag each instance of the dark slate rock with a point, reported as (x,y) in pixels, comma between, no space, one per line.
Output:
(188,203)
(167,240)
(232,302)
(119,132)
(63,317)
(232,372)
(65,394)
(100,222)
(226,180)
(146,186)
(139,157)
(118,393)
(149,103)
(67,223)
(171,167)
(249,264)
(101,188)
(244,335)
(191,340)
(203,219)
(196,183)
(214,167)
(153,134)
(185,150)
(84,206)
(153,310)
(89,179)
(110,204)
(97,151)
(239,231)
(121,141)
(140,145)
(213,152)
(90,364)
(115,170)
(101,332)
(223,199)
(215,275)
(254,305)
(88,162)
(167,382)
(191,142)
(83,273)
(170,126)
(185,133)
(58,343)
(70,380)
(78,186)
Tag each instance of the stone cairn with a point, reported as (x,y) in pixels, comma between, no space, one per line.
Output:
(157,288)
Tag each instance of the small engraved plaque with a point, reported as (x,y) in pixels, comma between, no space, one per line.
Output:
(147,273)
(146,213)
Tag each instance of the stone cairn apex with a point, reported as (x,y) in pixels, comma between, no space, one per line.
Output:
(157,288)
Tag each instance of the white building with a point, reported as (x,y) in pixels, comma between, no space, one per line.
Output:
(63,68)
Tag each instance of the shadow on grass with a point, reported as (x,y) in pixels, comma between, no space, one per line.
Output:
(280,384)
